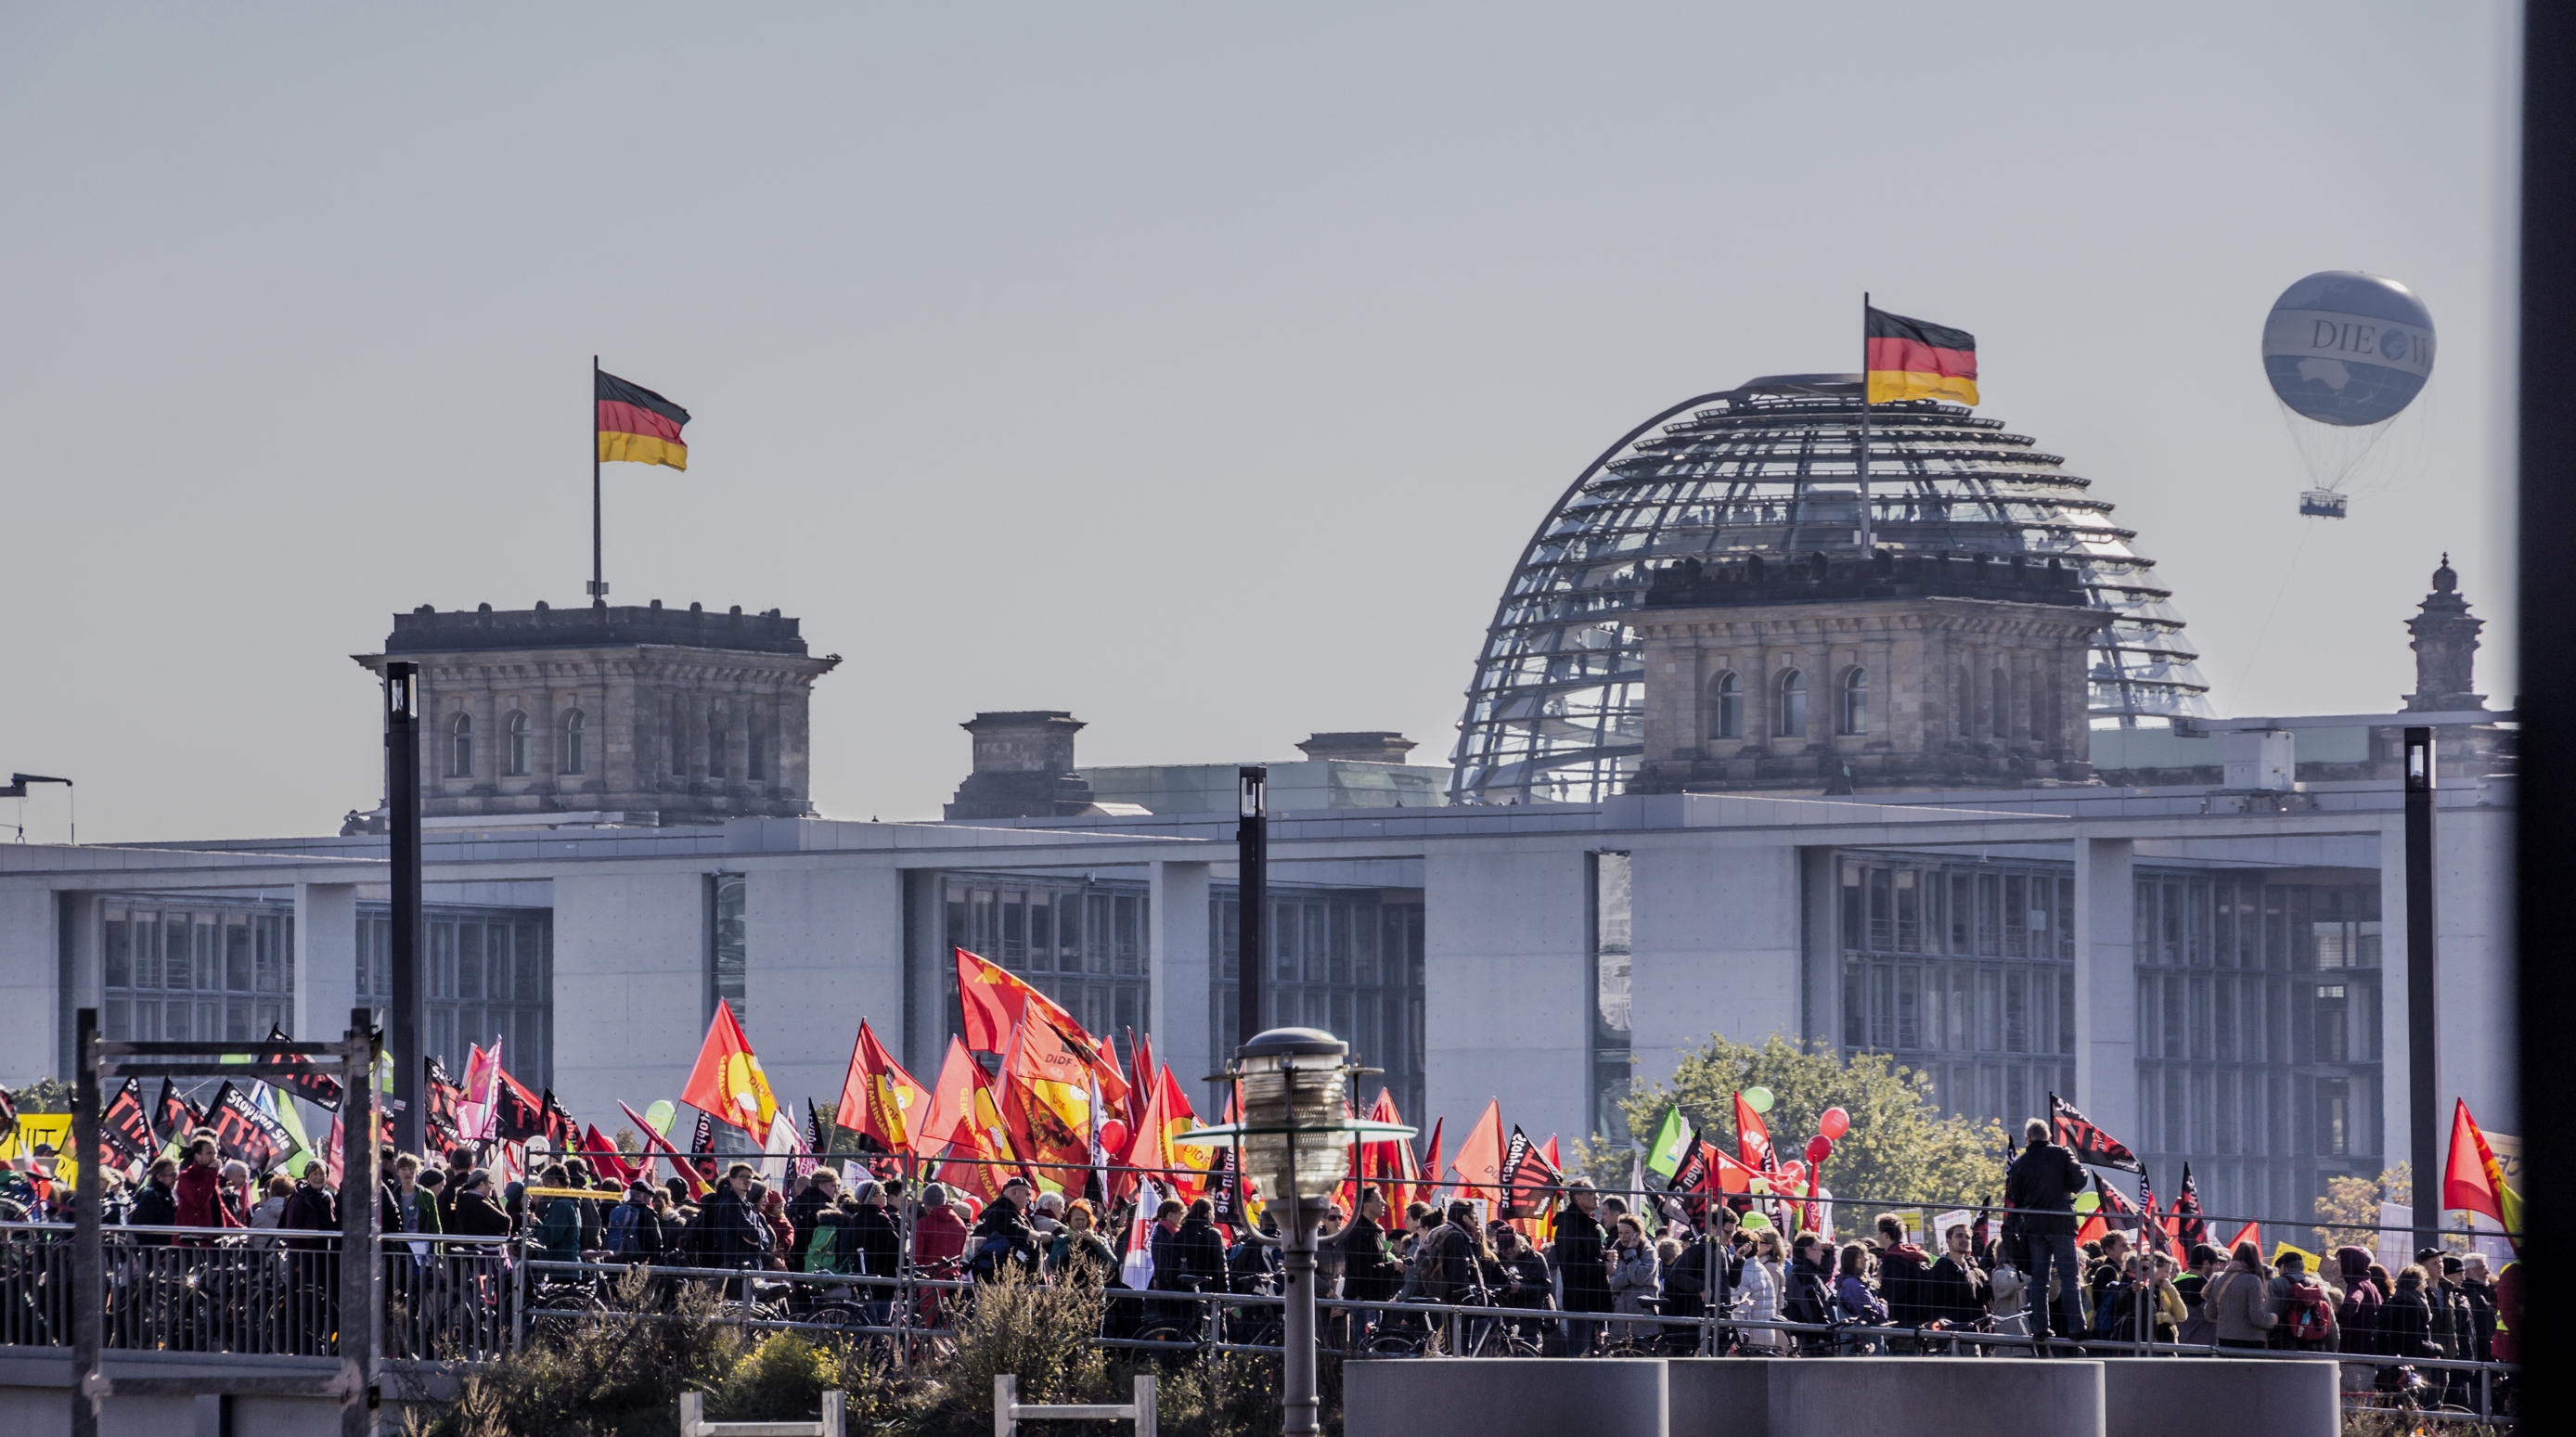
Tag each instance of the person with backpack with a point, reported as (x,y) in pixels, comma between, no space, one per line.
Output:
(820,1194)
(633,1233)
(2306,1314)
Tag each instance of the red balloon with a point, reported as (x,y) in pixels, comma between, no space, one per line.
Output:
(1834,1123)
(1113,1137)
(1819,1148)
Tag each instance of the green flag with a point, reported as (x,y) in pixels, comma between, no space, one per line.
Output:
(1673,1142)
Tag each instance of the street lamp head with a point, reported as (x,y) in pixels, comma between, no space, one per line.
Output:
(402,691)
(1252,792)
(1294,1084)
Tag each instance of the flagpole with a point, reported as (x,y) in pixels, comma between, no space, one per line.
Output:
(1867,537)
(599,586)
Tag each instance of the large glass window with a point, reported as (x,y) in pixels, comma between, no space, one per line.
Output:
(1965,972)
(1792,714)
(728,943)
(1729,719)
(197,969)
(518,746)
(460,746)
(1856,702)
(489,973)
(2259,1053)
(1347,960)
(573,757)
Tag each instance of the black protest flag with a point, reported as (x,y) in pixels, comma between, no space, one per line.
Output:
(441,1096)
(124,1129)
(1529,1180)
(517,1115)
(2189,1231)
(562,1133)
(295,1073)
(176,1116)
(2091,1146)
(8,1113)
(243,1131)
(704,1139)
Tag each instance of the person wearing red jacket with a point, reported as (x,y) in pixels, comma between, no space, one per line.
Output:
(200,1192)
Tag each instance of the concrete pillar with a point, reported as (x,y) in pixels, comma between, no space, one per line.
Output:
(932,968)
(2396,1065)
(824,949)
(1507,998)
(2106,984)
(1178,980)
(34,1010)
(630,987)
(326,960)
(1714,948)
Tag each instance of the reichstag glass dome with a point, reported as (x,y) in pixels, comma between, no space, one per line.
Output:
(1557,709)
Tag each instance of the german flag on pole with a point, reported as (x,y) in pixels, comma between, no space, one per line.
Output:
(1908,359)
(638,425)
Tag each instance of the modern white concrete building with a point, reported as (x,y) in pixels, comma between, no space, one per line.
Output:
(2204,948)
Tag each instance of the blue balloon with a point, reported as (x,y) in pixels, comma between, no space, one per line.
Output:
(2346,348)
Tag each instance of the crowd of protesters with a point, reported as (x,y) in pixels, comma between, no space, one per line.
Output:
(1609,1272)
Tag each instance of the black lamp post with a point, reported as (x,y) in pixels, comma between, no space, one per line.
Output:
(1252,860)
(2423,1091)
(402,813)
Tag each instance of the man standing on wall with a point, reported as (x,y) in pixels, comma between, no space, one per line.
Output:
(2041,1186)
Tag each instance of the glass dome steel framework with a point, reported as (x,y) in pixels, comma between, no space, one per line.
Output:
(1772,467)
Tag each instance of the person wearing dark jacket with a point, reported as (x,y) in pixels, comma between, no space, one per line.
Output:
(821,1193)
(1809,1284)
(1582,1264)
(476,1214)
(1194,1259)
(2357,1316)
(1450,1263)
(1002,1233)
(735,1235)
(157,1205)
(1369,1271)
(1953,1289)
(1902,1271)
(2043,1182)
(2406,1322)
(872,1231)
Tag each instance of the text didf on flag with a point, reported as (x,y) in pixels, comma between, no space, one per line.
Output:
(1909,359)
(637,425)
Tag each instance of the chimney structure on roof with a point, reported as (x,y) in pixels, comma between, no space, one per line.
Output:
(1023,768)
(2446,648)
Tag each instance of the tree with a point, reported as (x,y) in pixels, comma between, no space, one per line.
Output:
(2356,1200)
(45,1095)
(1900,1150)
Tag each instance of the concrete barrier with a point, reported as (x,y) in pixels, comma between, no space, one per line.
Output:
(2212,1397)
(1936,1397)
(1721,1396)
(1505,1397)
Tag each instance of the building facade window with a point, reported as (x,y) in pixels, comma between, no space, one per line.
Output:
(1792,722)
(517,765)
(1965,972)
(1728,721)
(573,735)
(1856,702)
(1347,960)
(756,746)
(716,741)
(728,943)
(489,978)
(460,746)
(1613,1043)
(1082,943)
(2259,1049)
(677,739)
(196,970)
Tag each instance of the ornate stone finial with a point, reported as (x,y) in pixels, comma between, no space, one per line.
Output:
(2444,580)
(2446,646)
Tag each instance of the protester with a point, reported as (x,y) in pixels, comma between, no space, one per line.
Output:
(1635,1276)
(1078,1256)
(1760,1290)
(2041,1184)
(2235,1301)
(475,1213)
(1581,1261)
(199,1192)
(938,1233)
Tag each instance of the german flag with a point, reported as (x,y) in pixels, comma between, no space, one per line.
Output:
(1909,359)
(638,425)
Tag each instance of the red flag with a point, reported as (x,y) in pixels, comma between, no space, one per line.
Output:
(1174,1168)
(1140,1088)
(1430,1168)
(1389,1163)
(2188,1229)
(2092,1146)
(951,1100)
(879,1099)
(1752,1139)
(980,1157)
(1530,1177)
(2251,1232)
(659,1145)
(727,1084)
(1548,1150)
(1725,1174)
(990,998)
(1045,1099)
(1480,1158)
(2473,1180)
(604,1156)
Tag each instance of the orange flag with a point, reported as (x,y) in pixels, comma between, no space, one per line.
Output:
(879,1098)
(951,1101)
(2473,1181)
(993,1001)
(2251,1232)
(1045,1100)
(1480,1158)
(1152,1151)
(727,1083)
(980,1157)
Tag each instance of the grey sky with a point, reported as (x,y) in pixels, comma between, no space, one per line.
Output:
(1197,369)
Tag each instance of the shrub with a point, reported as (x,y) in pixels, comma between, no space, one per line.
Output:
(1042,1335)
(618,1374)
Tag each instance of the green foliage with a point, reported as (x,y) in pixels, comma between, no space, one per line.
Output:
(1042,1335)
(45,1095)
(1900,1150)
(617,1375)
